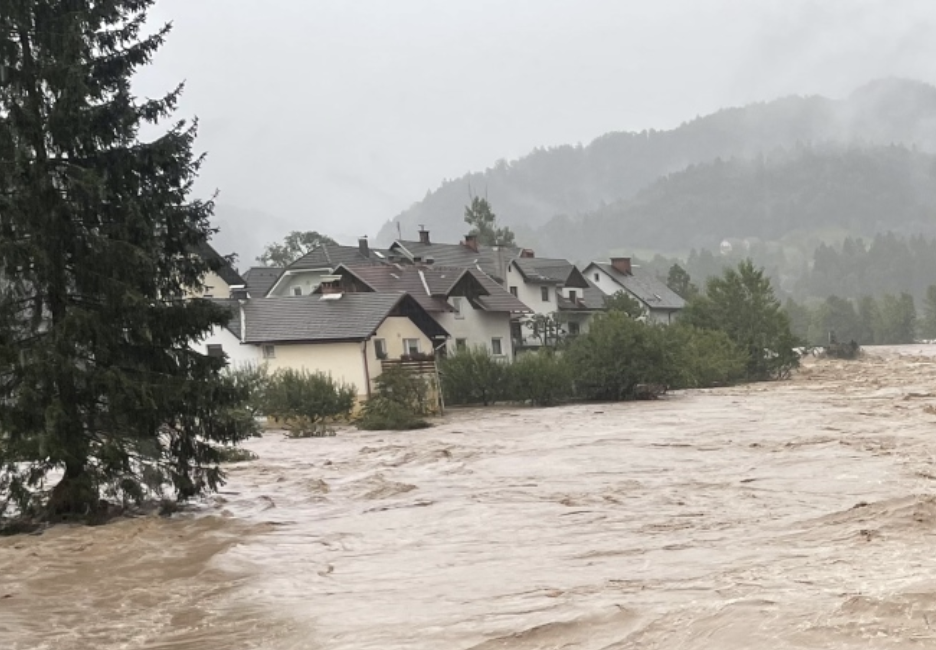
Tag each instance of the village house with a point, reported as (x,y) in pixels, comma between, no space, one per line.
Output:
(303,276)
(660,303)
(260,279)
(558,294)
(469,305)
(350,336)
(468,254)
(216,284)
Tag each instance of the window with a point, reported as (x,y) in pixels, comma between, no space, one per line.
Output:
(497,347)
(461,345)
(513,290)
(544,293)
(215,350)
(297,291)
(410,346)
(380,347)
(269,351)
(457,305)
(572,295)
(597,277)
(574,329)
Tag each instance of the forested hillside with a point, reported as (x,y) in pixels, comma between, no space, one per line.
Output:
(573,181)
(846,190)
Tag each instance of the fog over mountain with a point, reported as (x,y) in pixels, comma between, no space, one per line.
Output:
(338,116)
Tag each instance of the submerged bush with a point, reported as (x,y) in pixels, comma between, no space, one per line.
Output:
(617,354)
(705,358)
(542,378)
(306,401)
(400,401)
(474,377)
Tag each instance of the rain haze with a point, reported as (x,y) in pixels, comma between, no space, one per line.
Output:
(335,116)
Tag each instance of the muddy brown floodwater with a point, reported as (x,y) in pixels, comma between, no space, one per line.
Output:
(790,515)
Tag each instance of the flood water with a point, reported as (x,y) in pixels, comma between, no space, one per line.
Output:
(798,514)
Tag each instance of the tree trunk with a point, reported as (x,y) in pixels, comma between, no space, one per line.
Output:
(75,495)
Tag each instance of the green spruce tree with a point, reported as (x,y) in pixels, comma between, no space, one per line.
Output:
(483,224)
(98,381)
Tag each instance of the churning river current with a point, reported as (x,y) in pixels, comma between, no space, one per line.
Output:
(797,514)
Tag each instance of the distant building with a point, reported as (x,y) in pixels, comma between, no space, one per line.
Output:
(661,304)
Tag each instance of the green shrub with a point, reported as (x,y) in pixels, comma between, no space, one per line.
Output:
(474,377)
(705,358)
(542,378)
(400,401)
(741,303)
(617,354)
(255,379)
(305,401)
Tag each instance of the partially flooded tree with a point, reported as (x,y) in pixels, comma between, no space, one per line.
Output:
(483,223)
(742,304)
(97,231)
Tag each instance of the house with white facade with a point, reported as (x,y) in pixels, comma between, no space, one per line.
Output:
(467,254)
(660,303)
(350,336)
(218,282)
(557,292)
(304,275)
(469,305)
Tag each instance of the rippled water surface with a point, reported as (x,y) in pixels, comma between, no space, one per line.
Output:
(791,515)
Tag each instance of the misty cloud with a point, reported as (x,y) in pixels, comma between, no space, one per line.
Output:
(335,116)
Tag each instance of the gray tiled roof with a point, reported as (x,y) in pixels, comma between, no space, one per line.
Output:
(499,299)
(352,317)
(538,269)
(589,299)
(646,287)
(233,324)
(493,262)
(259,279)
(439,280)
(329,256)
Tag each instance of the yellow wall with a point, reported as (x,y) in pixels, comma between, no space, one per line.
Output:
(345,361)
(214,286)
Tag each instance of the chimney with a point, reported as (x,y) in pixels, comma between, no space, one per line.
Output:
(471,241)
(527,253)
(621,265)
(363,246)
(423,235)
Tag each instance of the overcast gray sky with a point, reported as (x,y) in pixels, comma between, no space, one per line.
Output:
(335,115)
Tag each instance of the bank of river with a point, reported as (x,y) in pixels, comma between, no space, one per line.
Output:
(795,515)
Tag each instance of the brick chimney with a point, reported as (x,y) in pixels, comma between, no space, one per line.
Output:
(527,253)
(423,235)
(621,265)
(471,241)
(363,246)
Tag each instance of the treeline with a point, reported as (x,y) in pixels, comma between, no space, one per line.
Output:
(804,188)
(888,319)
(853,269)
(735,331)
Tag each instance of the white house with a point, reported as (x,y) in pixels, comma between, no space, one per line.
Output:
(552,288)
(350,336)
(469,305)
(304,275)
(661,304)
